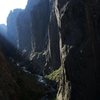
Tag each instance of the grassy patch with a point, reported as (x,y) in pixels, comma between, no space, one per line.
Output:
(55,75)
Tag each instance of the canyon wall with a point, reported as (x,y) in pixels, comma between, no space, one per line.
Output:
(64,33)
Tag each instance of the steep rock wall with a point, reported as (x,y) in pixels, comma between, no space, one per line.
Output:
(12,29)
(79,35)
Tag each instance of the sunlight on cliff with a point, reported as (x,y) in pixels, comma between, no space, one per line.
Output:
(7,5)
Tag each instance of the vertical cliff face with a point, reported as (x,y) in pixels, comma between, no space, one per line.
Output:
(79,35)
(12,30)
(53,38)
(40,19)
(25,31)
(32,26)
(31,4)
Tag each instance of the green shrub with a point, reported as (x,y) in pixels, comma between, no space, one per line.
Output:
(55,75)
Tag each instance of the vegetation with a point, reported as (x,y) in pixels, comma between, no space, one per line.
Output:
(55,75)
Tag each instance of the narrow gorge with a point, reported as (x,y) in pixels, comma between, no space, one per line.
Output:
(50,51)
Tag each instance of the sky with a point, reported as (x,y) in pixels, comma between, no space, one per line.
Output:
(7,5)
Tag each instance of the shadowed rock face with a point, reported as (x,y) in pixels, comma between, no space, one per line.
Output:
(40,19)
(33,30)
(32,26)
(9,90)
(25,31)
(12,29)
(79,33)
(3,29)
(31,3)
(53,60)
(18,83)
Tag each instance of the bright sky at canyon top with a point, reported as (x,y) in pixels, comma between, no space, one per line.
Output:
(7,5)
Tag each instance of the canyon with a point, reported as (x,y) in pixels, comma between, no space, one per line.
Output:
(48,36)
